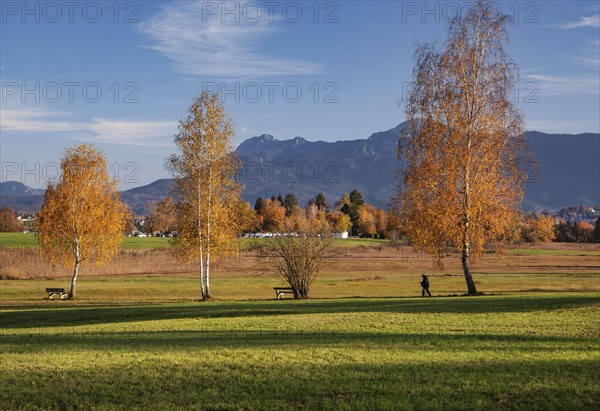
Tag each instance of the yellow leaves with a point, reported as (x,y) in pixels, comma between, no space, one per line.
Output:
(204,169)
(273,214)
(462,182)
(339,221)
(81,209)
(540,229)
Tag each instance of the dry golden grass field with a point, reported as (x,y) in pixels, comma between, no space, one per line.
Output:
(380,270)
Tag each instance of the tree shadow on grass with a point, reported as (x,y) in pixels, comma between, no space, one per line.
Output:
(216,339)
(200,383)
(76,316)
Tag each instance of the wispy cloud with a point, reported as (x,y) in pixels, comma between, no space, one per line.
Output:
(204,45)
(564,85)
(248,131)
(590,55)
(136,133)
(34,120)
(98,130)
(586,21)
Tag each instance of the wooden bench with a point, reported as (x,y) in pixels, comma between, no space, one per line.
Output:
(279,291)
(57,291)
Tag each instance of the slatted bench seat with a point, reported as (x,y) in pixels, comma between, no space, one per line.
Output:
(57,291)
(279,291)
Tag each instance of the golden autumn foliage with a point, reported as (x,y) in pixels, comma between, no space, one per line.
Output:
(538,229)
(82,219)
(162,217)
(464,148)
(8,221)
(208,196)
(248,220)
(366,220)
(273,215)
(339,221)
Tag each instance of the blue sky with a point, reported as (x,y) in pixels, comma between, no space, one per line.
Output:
(121,75)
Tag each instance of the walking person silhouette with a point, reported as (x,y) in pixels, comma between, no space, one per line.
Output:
(424,286)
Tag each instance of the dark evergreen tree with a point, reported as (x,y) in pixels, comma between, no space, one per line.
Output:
(345,209)
(320,202)
(289,202)
(351,210)
(258,205)
(356,198)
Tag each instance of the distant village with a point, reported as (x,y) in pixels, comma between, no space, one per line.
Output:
(570,224)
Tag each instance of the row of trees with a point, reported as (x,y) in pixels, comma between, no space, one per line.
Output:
(82,219)
(544,228)
(580,232)
(349,214)
(464,151)
(279,214)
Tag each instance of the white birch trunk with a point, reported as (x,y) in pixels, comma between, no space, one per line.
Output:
(208,215)
(202,289)
(72,290)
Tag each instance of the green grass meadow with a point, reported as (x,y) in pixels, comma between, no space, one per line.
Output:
(493,352)
(30,240)
(143,341)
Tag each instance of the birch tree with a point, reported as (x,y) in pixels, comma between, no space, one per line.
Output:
(206,190)
(464,148)
(82,219)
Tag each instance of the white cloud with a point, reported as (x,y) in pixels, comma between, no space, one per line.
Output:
(129,132)
(591,21)
(98,130)
(590,55)
(588,61)
(34,120)
(206,44)
(248,131)
(563,85)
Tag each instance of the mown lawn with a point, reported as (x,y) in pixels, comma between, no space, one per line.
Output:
(30,240)
(18,240)
(494,352)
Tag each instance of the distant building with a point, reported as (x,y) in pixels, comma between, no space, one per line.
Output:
(340,235)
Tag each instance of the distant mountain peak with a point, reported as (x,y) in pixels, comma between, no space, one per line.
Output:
(298,140)
(569,170)
(266,137)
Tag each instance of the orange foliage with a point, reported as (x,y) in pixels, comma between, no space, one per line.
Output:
(82,218)
(464,147)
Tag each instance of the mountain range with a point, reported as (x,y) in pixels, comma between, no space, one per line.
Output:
(569,171)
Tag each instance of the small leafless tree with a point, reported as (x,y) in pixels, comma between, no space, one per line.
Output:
(298,258)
